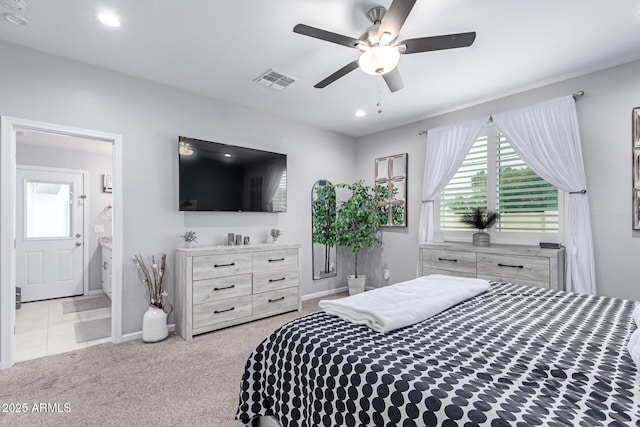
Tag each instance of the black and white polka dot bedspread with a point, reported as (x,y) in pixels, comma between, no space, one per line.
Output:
(513,356)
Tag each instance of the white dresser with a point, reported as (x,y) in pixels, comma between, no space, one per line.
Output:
(221,286)
(528,265)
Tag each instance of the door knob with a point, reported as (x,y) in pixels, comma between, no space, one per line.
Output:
(78,235)
(78,244)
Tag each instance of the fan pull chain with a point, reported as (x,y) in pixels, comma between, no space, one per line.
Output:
(379,104)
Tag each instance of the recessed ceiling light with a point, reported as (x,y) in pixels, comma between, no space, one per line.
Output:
(227,155)
(15,19)
(109,19)
(360,113)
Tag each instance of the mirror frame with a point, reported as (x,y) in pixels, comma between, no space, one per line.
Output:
(330,252)
(394,206)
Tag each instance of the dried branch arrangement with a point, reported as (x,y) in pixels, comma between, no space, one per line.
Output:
(153,276)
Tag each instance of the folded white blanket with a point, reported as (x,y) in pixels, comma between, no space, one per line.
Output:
(634,347)
(406,303)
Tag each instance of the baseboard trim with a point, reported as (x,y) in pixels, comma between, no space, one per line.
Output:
(95,292)
(138,335)
(324,293)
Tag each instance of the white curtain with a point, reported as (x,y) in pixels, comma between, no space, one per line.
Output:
(446,149)
(547,139)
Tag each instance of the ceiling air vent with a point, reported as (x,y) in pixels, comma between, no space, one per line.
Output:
(274,79)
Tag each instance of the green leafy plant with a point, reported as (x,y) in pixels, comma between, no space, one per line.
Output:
(323,216)
(357,220)
(479,218)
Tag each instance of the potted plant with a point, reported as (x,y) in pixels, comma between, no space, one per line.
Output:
(356,226)
(189,237)
(481,219)
(275,234)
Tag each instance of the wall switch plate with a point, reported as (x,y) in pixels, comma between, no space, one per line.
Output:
(387,274)
(98,228)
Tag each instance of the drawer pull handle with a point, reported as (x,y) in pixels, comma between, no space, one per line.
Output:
(226,287)
(447,259)
(508,265)
(224,265)
(277,259)
(276,280)
(277,299)
(223,311)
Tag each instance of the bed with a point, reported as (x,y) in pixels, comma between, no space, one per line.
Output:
(512,356)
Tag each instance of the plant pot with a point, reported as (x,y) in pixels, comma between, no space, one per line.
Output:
(154,324)
(356,284)
(188,244)
(481,239)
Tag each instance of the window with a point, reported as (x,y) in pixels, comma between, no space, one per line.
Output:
(493,176)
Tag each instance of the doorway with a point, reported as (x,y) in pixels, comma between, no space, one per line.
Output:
(9,224)
(50,232)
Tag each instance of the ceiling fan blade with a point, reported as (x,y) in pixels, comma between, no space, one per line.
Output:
(340,73)
(394,19)
(326,35)
(393,80)
(428,44)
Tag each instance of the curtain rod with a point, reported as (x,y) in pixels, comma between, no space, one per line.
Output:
(575,95)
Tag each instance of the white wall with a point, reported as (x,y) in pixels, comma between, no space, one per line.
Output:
(96,165)
(604,114)
(150,118)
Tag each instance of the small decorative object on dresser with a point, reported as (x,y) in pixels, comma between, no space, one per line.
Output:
(275,234)
(481,219)
(230,239)
(217,287)
(152,275)
(189,238)
(356,226)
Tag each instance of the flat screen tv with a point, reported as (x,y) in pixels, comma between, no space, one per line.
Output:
(221,177)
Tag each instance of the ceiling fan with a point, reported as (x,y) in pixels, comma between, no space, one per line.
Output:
(380,49)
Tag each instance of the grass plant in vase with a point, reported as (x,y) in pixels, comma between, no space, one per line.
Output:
(481,219)
(152,273)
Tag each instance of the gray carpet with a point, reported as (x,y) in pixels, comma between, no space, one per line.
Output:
(170,383)
(89,330)
(86,303)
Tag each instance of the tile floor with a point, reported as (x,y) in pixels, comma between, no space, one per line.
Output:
(42,329)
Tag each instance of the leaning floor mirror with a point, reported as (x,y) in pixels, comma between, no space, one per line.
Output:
(323,214)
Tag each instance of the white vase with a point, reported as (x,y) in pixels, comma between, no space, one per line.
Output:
(188,244)
(154,324)
(356,284)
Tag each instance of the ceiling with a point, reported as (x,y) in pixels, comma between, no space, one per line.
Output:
(217,48)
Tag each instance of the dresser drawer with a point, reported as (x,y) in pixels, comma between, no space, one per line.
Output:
(280,300)
(275,260)
(278,279)
(513,268)
(215,312)
(207,267)
(221,288)
(448,261)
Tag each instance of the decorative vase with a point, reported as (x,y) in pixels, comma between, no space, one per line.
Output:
(275,239)
(154,324)
(356,284)
(481,239)
(188,244)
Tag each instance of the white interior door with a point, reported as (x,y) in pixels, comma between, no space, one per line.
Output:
(49,233)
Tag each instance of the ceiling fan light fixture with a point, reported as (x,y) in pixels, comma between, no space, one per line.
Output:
(379,59)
